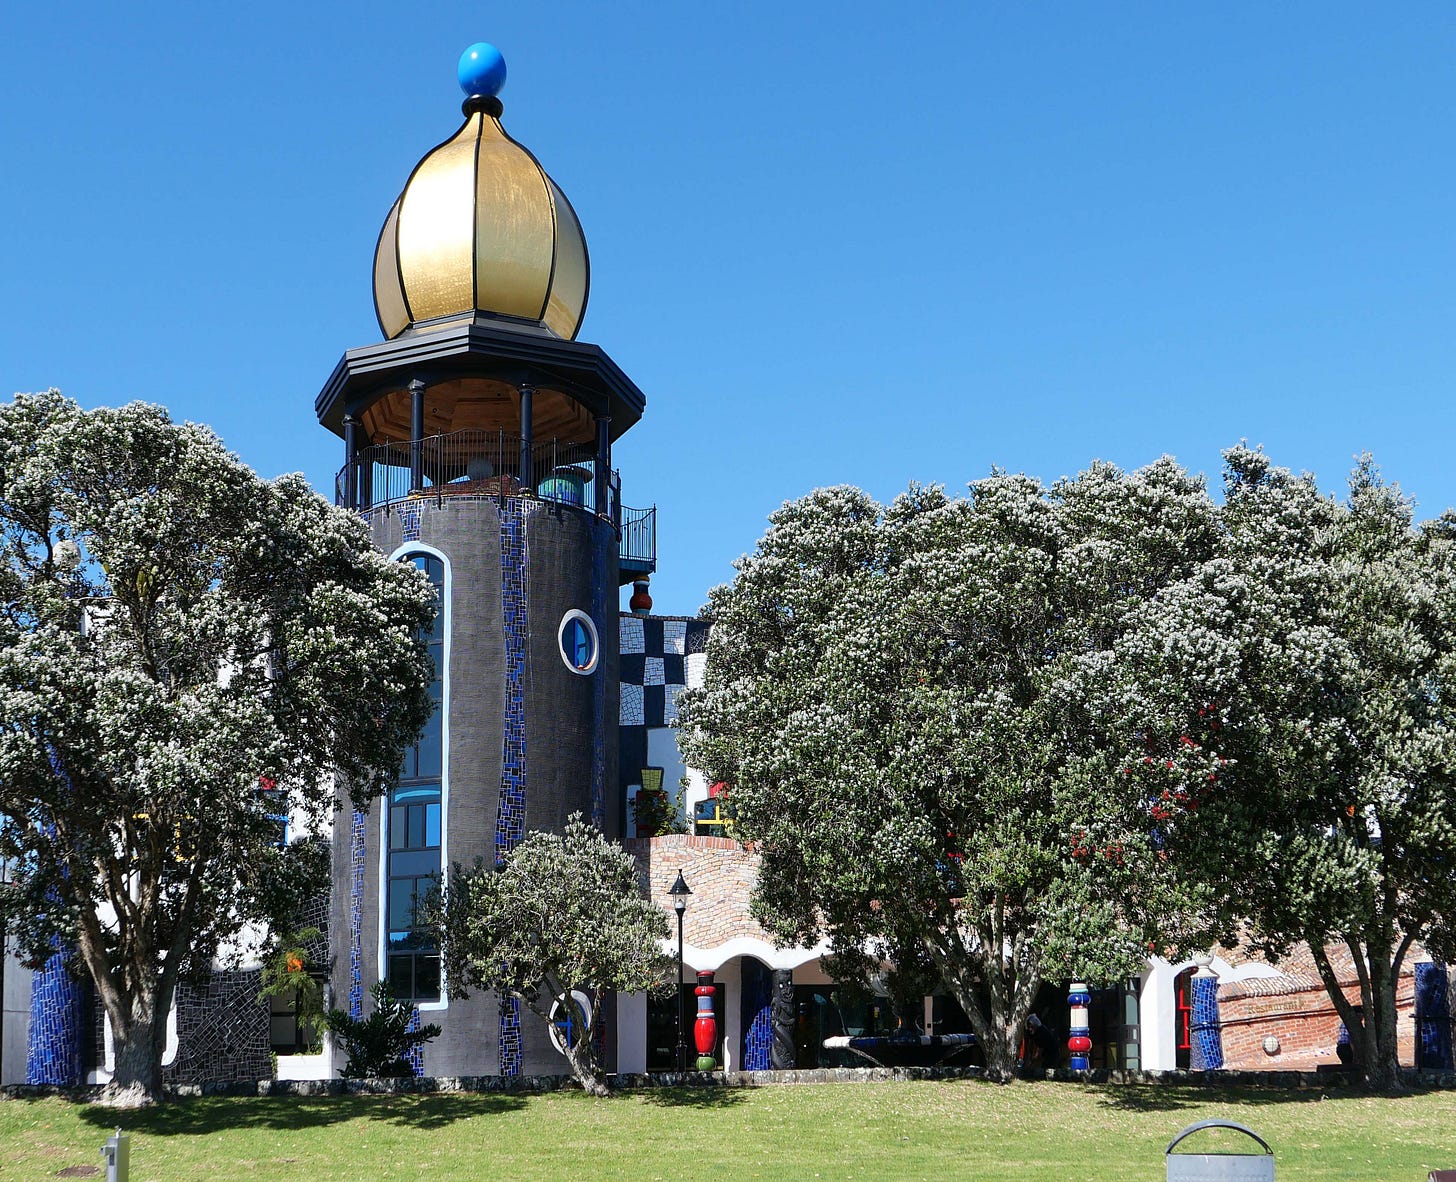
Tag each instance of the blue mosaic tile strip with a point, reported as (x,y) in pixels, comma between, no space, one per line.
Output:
(599,681)
(53,1043)
(758,1043)
(356,916)
(510,1035)
(511,818)
(510,824)
(1206,1053)
(1433,1018)
(53,1040)
(415,1056)
(409,523)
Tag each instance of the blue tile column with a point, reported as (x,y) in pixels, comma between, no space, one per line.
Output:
(53,1043)
(1206,1051)
(1433,1018)
(758,1016)
(356,916)
(511,816)
(415,1056)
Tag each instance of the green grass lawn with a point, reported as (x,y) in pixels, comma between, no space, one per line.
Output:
(930,1130)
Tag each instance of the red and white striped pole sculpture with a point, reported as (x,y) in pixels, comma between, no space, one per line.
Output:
(1081,1042)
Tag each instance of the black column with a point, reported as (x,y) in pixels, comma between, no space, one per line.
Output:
(417,433)
(783,1057)
(527,477)
(604,464)
(351,462)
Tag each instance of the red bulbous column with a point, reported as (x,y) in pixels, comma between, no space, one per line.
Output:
(705,1028)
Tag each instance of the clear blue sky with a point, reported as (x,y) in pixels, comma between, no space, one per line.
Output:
(831,242)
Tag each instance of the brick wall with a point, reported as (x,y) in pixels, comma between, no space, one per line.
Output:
(721,874)
(1301,1016)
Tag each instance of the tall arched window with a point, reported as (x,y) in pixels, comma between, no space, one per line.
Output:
(414,829)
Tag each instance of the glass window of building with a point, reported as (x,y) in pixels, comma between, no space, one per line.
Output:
(413,827)
(580,647)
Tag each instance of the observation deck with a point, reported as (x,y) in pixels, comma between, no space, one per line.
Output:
(481,464)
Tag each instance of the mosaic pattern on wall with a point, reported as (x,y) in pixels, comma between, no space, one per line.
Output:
(222,1030)
(757,1016)
(356,916)
(660,657)
(510,1036)
(415,1056)
(1433,1017)
(57,1011)
(1206,1053)
(511,818)
(409,523)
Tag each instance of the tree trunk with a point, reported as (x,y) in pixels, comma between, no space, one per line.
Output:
(137,1049)
(1380,1065)
(1000,1050)
(582,1056)
(999,1024)
(1371,1028)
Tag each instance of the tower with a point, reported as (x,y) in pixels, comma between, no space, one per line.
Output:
(478,445)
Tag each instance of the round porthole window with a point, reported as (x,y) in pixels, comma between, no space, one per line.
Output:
(580,648)
(567,1021)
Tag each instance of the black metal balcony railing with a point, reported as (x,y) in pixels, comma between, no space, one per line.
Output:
(637,544)
(493,464)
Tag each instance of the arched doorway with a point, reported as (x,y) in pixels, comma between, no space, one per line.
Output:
(1183,1019)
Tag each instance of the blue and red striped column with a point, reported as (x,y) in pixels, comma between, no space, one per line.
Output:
(1080,1042)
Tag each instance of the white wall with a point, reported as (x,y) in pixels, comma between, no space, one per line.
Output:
(632,1032)
(729,979)
(662,752)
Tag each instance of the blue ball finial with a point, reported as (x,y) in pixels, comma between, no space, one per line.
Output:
(482,70)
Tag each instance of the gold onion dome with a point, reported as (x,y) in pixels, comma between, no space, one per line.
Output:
(480,227)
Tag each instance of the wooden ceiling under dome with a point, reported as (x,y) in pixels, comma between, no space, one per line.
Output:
(479,404)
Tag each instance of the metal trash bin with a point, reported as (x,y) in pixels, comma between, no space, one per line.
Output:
(1220,1167)
(117,1152)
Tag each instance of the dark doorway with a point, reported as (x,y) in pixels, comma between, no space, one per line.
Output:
(1183,1019)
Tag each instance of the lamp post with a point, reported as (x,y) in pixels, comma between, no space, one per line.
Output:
(680,892)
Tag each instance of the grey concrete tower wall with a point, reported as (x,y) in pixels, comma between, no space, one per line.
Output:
(570,719)
(565,559)
(505,671)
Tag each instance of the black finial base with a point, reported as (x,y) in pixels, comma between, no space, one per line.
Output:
(486,104)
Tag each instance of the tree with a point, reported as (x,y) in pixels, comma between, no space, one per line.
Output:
(1323,634)
(563,914)
(906,705)
(379,1046)
(187,653)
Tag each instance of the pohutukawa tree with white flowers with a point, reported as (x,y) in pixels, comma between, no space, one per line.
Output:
(908,705)
(186,651)
(1324,634)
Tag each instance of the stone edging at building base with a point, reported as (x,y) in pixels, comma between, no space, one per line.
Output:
(528,1084)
